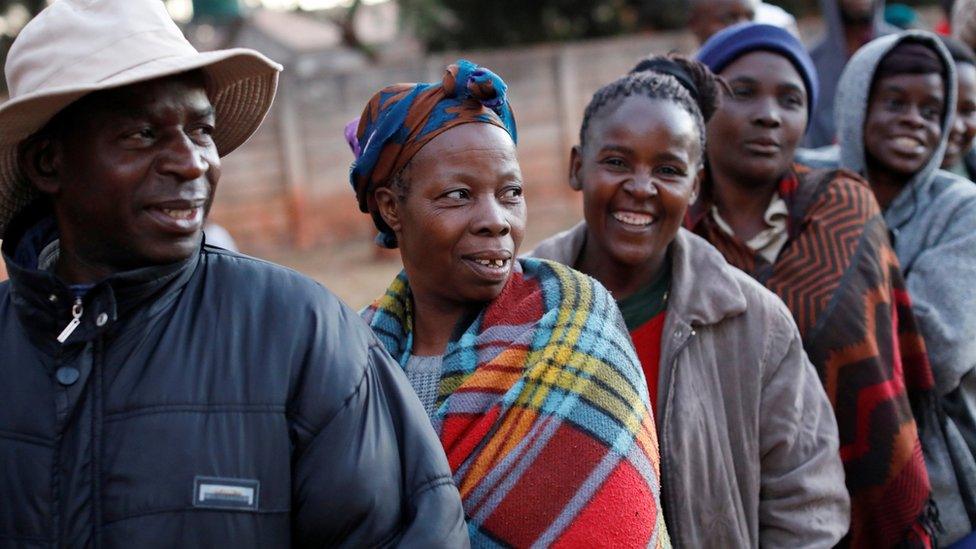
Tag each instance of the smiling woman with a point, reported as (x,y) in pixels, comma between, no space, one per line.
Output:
(522,364)
(459,216)
(730,421)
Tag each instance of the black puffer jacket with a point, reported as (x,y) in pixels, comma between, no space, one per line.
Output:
(220,402)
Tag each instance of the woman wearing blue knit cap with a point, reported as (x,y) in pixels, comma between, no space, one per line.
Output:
(817,239)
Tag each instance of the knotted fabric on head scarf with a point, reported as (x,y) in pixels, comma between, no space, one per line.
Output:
(400,119)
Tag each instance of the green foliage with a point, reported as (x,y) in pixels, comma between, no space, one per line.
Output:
(217,10)
(33,6)
(450,24)
(464,24)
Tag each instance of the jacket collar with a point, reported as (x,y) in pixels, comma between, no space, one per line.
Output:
(797,196)
(43,301)
(703,287)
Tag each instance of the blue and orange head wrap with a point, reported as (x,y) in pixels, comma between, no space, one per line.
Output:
(400,119)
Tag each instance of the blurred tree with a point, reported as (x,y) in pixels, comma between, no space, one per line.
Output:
(462,24)
(15,14)
(32,6)
(346,21)
(446,24)
(217,11)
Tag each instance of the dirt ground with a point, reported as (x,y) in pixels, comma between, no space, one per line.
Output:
(359,271)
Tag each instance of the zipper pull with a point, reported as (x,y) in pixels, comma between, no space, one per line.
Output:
(76,312)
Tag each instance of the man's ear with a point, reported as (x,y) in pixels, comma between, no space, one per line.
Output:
(388,205)
(40,160)
(575,165)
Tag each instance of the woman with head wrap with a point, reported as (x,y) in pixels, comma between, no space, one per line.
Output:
(523,365)
(817,239)
(896,100)
(748,440)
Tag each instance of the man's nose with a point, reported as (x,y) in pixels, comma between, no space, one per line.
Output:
(184,159)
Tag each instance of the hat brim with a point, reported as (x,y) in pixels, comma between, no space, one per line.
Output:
(240,82)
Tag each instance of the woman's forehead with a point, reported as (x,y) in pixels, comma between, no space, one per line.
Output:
(470,152)
(467,140)
(762,65)
(637,114)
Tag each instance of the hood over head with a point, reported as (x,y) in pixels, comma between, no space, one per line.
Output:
(854,89)
(829,56)
(833,38)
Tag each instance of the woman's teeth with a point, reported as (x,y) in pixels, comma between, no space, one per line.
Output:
(180,214)
(908,143)
(496,263)
(632,218)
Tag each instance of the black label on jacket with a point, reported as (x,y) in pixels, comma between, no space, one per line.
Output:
(225,493)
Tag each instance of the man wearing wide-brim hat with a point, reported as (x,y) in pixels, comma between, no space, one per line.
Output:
(154,391)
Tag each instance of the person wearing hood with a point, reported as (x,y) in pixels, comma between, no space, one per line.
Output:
(895,103)
(849,24)
(157,391)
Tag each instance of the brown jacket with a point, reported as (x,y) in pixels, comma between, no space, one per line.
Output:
(749,448)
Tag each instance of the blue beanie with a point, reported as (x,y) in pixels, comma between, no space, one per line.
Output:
(733,42)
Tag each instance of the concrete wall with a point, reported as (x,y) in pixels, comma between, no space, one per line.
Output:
(288,186)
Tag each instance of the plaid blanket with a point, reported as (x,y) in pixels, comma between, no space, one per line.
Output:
(543,412)
(840,278)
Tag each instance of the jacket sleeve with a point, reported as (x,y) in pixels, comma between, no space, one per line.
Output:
(368,471)
(941,284)
(803,499)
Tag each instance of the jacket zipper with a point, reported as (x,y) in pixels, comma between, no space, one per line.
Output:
(76,311)
(96,438)
(669,501)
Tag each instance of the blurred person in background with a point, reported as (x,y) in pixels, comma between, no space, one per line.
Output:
(901,16)
(960,156)
(523,365)
(849,24)
(775,219)
(749,442)
(964,22)
(895,104)
(771,14)
(706,17)
(944,26)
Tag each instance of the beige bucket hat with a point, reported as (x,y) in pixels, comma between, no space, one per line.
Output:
(75,47)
